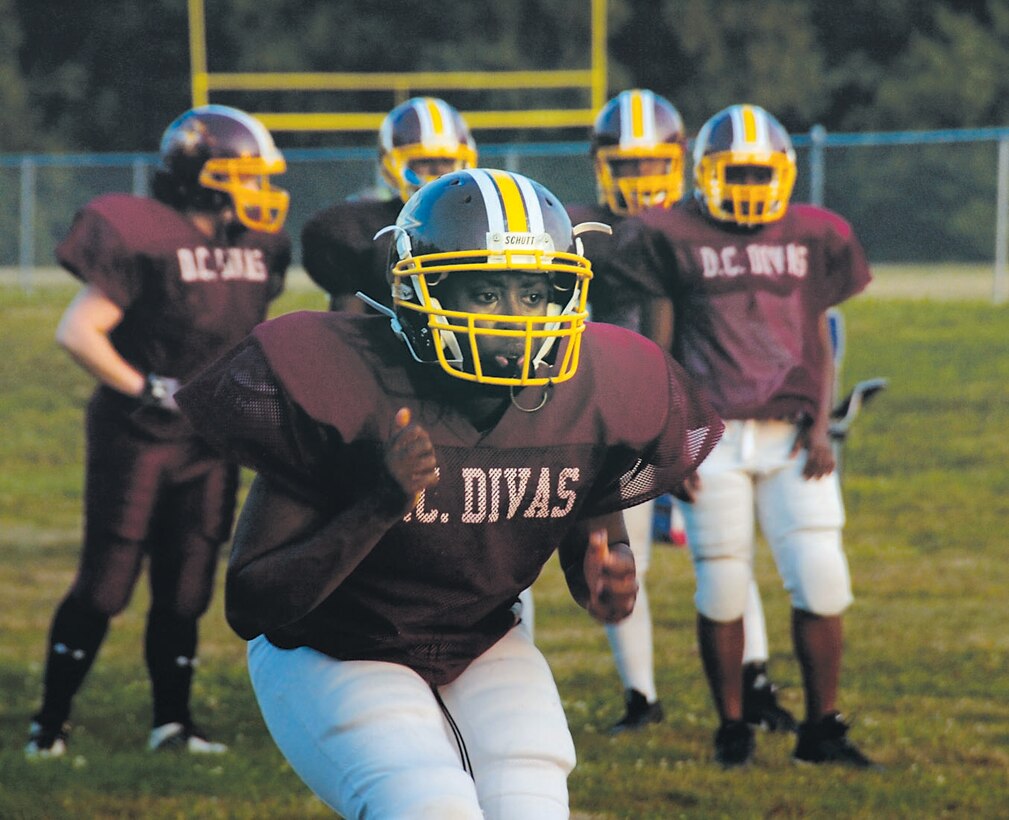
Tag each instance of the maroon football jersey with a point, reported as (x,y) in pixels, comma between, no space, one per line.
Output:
(340,252)
(185,299)
(748,301)
(309,400)
(612,298)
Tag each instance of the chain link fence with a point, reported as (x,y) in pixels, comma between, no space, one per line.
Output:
(912,197)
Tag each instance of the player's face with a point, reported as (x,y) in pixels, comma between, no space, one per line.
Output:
(748,174)
(498,294)
(645,167)
(430,168)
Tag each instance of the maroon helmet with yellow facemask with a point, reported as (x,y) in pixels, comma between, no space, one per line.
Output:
(638,146)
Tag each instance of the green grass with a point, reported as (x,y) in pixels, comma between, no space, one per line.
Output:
(926,674)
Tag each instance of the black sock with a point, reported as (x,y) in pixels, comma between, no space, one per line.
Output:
(170,651)
(76,633)
(755,675)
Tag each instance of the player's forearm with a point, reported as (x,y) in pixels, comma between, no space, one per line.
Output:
(575,546)
(94,352)
(287,558)
(84,331)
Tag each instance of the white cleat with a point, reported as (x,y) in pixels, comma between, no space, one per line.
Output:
(184,737)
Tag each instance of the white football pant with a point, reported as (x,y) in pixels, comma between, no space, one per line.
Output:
(631,638)
(370,739)
(749,476)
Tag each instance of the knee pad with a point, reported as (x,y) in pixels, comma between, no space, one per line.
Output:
(542,790)
(815,571)
(425,793)
(722,585)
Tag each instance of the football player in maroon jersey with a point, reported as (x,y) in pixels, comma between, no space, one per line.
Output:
(418,141)
(638,148)
(751,278)
(411,484)
(170,283)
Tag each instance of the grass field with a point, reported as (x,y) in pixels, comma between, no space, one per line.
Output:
(926,675)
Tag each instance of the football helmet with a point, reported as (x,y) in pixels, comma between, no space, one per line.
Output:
(215,155)
(422,129)
(744,166)
(634,127)
(477,221)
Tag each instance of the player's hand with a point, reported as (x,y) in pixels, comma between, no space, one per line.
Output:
(819,452)
(159,391)
(611,579)
(410,458)
(688,489)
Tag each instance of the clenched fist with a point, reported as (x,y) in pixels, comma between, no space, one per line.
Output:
(410,458)
(611,579)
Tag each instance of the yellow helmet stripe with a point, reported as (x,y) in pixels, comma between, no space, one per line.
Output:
(637,115)
(435,114)
(749,124)
(751,130)
(515,217)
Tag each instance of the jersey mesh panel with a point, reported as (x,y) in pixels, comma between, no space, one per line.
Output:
(701,429)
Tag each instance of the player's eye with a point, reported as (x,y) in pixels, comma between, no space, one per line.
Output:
(485,297)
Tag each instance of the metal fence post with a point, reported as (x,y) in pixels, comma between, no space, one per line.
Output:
(26,250)
(817,163)
(140,178)
(1000,282)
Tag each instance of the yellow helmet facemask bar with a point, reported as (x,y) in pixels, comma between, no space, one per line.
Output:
(396,164)
(259,205)
(451,329)
(632,194)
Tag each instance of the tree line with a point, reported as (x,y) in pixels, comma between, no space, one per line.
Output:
(108,75)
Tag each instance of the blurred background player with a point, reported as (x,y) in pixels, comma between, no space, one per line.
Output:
(170,283)
(751,279)
(638,147)
(413,480)
(418,141)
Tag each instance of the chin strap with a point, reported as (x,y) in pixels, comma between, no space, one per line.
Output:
(397,327)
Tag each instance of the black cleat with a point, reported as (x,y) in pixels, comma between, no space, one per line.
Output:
(640,713)
(46,741)
(734,744)
(825,741)
(760,702)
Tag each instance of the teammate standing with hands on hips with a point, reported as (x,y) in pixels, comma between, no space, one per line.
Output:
(170,283)
(751,278)
(411,484)
(638,147)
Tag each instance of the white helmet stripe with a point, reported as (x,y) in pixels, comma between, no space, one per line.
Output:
(491,200)
(750,130)
(534,213)
(637,131)
(437,125)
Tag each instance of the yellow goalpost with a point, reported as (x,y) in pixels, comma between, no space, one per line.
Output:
(404,85)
